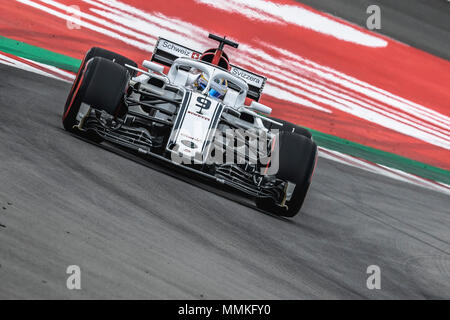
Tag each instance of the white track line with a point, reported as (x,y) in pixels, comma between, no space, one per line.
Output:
(27,65)
(65,75)
(270,12)
(383,170)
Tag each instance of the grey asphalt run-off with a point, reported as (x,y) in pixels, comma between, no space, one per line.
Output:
(139,233)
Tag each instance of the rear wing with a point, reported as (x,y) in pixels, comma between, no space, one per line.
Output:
(166,52)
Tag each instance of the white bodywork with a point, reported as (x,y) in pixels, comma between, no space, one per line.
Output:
(194,129)
(195,126)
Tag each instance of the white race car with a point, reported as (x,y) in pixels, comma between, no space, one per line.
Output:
(196,111)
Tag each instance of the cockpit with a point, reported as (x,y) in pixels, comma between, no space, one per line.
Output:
(210,79)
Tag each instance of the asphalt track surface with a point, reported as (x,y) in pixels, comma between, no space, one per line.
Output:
(424,24)
(139,233)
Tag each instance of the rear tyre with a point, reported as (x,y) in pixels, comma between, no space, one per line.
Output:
(297,156)
(102,85)
(73,104)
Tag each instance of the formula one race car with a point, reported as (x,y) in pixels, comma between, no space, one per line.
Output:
(197,111)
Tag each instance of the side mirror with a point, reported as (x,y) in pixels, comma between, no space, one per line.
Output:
(256,106)
(155,67)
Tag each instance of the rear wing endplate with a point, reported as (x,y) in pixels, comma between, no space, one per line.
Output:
(166,52)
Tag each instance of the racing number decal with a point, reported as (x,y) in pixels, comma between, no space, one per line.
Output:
(203,103)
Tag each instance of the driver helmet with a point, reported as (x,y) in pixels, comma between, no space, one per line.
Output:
(218,87)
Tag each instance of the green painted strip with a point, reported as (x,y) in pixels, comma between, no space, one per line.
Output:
(381,157)
(388,159)
(27,51)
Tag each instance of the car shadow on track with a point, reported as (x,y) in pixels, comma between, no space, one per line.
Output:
(185,176)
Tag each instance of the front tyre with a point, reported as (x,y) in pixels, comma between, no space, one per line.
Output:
(297,156)
(73,101)
(102,85)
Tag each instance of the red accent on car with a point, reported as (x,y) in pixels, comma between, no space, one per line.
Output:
(76,91)
(216,57)
(248,101)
